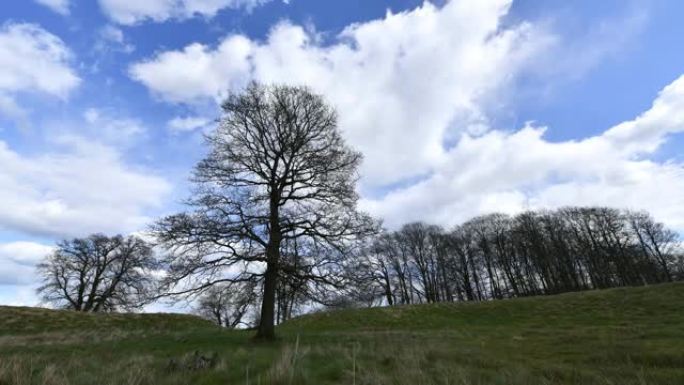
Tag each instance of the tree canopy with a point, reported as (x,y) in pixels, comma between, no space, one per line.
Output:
(274,201)
(98,273)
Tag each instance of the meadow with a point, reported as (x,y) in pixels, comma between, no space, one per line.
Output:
(615,336)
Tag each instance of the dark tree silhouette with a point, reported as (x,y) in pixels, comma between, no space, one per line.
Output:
(98,273)
(278,177)
(497,256)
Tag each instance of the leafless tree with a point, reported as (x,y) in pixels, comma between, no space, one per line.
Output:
(656,241)
(278,172)
(227,304)
(98,273)
(535,252)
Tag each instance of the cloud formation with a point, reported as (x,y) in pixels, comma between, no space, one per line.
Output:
(22,46)
(402,84)
(131,12)
(76,188)
(18,262)
(113,128)
(112,38)
(59,6)
(188,123)
(514,171)
(414,92)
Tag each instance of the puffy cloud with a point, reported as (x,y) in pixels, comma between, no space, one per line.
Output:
(18,261)
(415,91)
(22,46)
(136,11)
(59,6)
(76,188)
(400,83)
(513,171)
(649,130)
(197,71)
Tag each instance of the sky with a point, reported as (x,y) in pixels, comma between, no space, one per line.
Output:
(460,107)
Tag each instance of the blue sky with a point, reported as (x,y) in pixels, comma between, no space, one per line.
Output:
(459,107)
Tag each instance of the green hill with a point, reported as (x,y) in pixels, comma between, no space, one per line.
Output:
(31,320)
(617,336)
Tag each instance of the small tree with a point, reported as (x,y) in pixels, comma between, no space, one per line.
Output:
(278,175)
(227,304)
(98,273)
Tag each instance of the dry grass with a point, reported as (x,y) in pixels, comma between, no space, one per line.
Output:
(17,371)
(287,367)
(627,336)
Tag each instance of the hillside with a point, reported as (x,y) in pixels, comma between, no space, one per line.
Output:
(31,320)
(617,336)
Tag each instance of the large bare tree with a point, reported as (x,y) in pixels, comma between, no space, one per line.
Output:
(274,200)
(98,273)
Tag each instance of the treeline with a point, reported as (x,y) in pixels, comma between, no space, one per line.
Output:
(489,257)
(534,253)
(272,230)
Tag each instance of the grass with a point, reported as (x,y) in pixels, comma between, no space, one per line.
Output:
(617,336)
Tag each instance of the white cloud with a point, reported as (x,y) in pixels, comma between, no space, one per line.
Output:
(197,72)
(399,83)
(59,6)
(414,91)
(18,261)
(32,60)
(77,188)
(113,128)
(513,171)
(188,123)
(22,47)
(135,11)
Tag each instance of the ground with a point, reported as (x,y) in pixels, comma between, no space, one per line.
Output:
(617,336)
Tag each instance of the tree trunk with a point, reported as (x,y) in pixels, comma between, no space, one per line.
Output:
(266,330)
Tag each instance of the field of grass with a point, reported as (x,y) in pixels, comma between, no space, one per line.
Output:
(617,336)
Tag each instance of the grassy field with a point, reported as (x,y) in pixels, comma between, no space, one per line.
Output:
(618,336)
